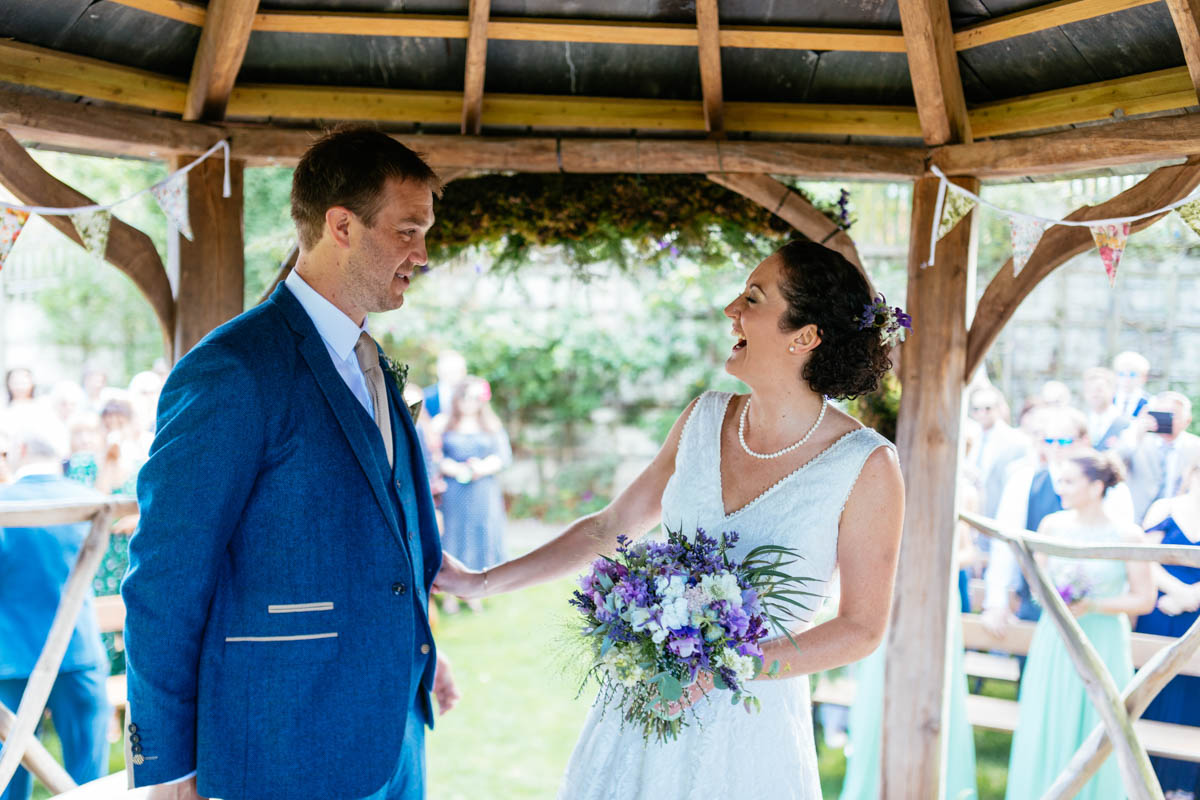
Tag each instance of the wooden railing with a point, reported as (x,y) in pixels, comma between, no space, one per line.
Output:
(20,745)
(1117,708)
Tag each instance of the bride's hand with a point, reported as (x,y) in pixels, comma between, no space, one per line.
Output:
(457,579)
(693,693)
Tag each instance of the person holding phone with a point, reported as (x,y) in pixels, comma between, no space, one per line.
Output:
(1155,448)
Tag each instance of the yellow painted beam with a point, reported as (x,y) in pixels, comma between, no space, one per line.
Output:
(1164,90)
(77,75)
(1040,18)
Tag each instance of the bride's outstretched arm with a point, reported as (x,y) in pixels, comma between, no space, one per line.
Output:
(635,511)
(868,548)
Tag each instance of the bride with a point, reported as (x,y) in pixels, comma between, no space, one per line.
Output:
(777,466)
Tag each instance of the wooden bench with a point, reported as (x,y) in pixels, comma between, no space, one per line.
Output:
(997,714)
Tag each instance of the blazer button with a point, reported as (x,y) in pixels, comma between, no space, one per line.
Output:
(424,649)
(132,728)
(137,748)
(135,738)
(399,484)
(399,588)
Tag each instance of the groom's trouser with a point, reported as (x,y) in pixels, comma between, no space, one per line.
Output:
(408,781)
(79,707)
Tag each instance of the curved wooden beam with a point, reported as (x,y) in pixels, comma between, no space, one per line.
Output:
(793,209)
(1060,244)
(129,250)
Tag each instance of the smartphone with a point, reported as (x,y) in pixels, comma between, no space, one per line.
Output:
(1165,421)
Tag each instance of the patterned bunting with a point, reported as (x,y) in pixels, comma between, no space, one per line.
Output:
(955,208)
(93,227)
(172,198)
(1190,213)
(11,223)
(1110,239)
(1026,233)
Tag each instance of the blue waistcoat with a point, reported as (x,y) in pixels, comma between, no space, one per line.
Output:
(1043,501)
(276,630)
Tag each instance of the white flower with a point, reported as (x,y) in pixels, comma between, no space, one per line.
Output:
(675,614)
(670,589)
(622,667)
(723,587)
(743,666)
(638,617)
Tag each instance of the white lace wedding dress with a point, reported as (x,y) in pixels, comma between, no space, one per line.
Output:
(730,753)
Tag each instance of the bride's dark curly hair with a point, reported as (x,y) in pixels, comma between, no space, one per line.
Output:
(822,288)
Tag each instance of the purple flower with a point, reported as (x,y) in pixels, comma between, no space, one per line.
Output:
(736,622)
(685,643)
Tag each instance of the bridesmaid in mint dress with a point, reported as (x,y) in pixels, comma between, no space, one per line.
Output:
(1055,714)
(864,749)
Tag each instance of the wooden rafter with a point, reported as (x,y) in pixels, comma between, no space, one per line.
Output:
(129,250)
(933,65)
(472,102)
(1134,141)
(59,123)
(36,759)
(708,29)
(1059,244)
(219,55)
(1186,15)
(1008,26)
(792,208)
(1039,18)
(1164,90)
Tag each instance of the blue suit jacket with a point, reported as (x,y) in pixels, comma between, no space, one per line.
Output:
(279,577)
(34,564)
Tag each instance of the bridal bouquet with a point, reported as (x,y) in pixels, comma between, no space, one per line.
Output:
(660,613)
(1073,584)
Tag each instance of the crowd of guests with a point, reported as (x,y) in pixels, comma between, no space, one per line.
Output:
(1118,465)
(73,442)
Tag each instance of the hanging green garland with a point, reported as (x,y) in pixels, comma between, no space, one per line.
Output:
(628,220)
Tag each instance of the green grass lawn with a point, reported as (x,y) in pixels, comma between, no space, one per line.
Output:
(511,735)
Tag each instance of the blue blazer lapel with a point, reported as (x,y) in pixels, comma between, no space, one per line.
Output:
(351,416)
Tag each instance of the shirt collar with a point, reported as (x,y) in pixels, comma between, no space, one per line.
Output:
(338,331)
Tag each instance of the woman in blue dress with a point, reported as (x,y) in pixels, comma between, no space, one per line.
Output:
(1055,715)
(474,448)
(1176,520)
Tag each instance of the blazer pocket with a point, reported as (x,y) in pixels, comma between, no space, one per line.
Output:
(299,608)
(300,648)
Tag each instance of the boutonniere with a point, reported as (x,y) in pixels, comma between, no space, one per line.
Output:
(399,374)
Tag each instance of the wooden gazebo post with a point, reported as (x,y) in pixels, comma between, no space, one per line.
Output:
(914,715)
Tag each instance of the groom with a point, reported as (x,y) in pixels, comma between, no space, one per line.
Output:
(277,634)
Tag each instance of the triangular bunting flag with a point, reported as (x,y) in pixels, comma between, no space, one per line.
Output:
(1190,213)
(1110,240)
(93,229)
(11,223)
(955,208)
(172,198)
(1026,233)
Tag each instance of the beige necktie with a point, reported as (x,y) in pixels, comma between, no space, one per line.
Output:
(368,359)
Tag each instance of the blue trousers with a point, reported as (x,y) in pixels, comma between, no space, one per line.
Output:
(408,781)
(79,707)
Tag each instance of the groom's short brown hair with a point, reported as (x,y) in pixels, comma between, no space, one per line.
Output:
(348,167)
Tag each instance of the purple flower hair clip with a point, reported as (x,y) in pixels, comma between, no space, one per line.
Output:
(892,322)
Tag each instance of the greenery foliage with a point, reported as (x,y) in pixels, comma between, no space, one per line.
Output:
(643,220)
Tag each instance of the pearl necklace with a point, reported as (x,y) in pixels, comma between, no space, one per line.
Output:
(789,448)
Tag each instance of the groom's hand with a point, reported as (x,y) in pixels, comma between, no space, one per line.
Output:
(443,686)
(181,790)
(457,579)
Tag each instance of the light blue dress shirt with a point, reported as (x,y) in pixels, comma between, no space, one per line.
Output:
(338,332)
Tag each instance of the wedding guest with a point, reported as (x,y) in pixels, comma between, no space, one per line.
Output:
(95,381)
(6,458)
(1000,445)
(1105,421)
(66,400)
(451,370)
(1176,521)
(1131,369)
(34,565)
(1055,394)
(1031,495)
(27,413)
(87,446)
(1055,715)
(19,384)
(1153,455)
(144,389)
(474,448)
